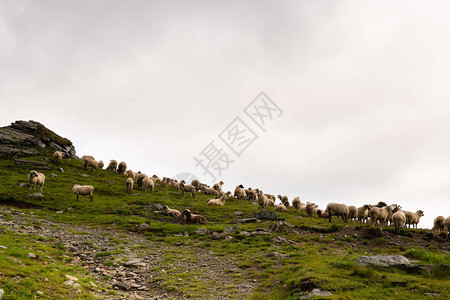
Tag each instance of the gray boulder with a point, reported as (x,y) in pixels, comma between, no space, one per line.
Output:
(266,215)
(383,260)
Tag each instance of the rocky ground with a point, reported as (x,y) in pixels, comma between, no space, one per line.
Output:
(130,263)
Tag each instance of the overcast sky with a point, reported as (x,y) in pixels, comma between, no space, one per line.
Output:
(363,86)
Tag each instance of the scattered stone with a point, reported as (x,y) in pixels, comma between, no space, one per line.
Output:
(260,233)
(383,260)
(238,213)
(277,227)
(23,184)
(112,182)
(36,196)
(254,203)
(202,231)
(1,293)
(73,278)
(228,238)
(425,294)
(132,262)
(137,194)
(53,175)
(14,259)
(229,230)
(39,293)
(59,212)
(93,284)
(217,236)
(246,233)
(283,240)
(61,170)
(69,282)
(277,255)
(32,255)
(317,293)
(266,215)
(3,247)
(76,285)
(143,227)
(84,175)
(122,285)
(156,206)
(243,221)
(78,291)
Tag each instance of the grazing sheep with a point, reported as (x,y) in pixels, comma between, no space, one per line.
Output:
(139,179)
(310,207)
(209,191)
(447,227)
(218,186)
(216,202)
(363,213)
(252,195)
(171,212)
(112,166)
(148,184)
(101,164)
(88,162)
(337,209)
(263,201)
(322,214)
(296,203)
(187,188)
(399,219)
(130,174)
(413,218)
(129,184)
(122,168)
(57,157)
(83,190)
(195,219)
(239,192)
(284,200)
(196,184)
(156,179)
(271,201)
(36,178)
(352,212)
(83,158)
(270,196)
(281,207)
(438,224)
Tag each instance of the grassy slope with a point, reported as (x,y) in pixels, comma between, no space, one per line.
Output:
(327,259)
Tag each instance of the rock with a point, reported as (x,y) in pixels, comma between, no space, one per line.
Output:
(23,185)
(14,259)
(112,182)
(266,215)
(70,277)
(217,236)
(32,255)
(3,247)
(243,221)
(425,294)
(61,170)
(53,175)
(383,260)
(156,206)
(24,138)
(59,212)
(277,227)
(229,230)
(277,255)
(84,175)
(78,291)
(202,231)
(39,293)
(1,293)
(238,213)
(317,293)
(76,285)
(122,285)
(33,164)
(132,262)
(246,233)
(36,196)
(228,238)
(143,227)
(283,240)
(69,282)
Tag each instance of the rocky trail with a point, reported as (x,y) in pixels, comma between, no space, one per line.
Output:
(133,265)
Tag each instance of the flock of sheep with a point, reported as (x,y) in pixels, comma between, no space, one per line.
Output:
(380,214)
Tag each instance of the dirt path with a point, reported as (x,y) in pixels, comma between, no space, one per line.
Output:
(137,267)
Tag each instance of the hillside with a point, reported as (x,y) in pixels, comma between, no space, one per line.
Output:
(121,246)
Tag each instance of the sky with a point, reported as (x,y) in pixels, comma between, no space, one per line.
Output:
(361,87)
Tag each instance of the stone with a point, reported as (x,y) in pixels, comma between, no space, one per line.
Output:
(39,293)
(277,255)
(238,213)
(317,293)
(76,285)
(36,196)
(2,292)
(84,175)
(59,212)
(243,221)
(143,227)
(229,230)
(53,175)
(3,247)
(425,294)
(61,170)
(15,260)
(202,231)
(132,262)
(266,215)
(32,255)
(283,240)
(112,182)
(246,233)
(70,277)
(383,260)
(23,185)
(78,291)
(69,282)
(122,285)
(156,206)
(217,236)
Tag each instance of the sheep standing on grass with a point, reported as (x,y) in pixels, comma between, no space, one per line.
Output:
(209,191)
(446,227)
(438,224)
(57,157)
(122,168)
(284,200)
(101,164)
(218,186)
(381,214)
(83,190)
(112,165)
(239,192)
(187,188)
(263,201)
(217,202)
(310,209)
(139,178)
(130,174)
(129,184)
(196,184)
(296,203)
(352,212)
(337,209)
(36,178)
(148,184)
(363,213)
(192,218)
(88,162)
(171,212)
(413,218)
(399,219)
(83,158)
(252,195)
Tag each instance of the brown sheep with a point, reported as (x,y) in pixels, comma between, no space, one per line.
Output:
(112,166)
(57,157)
(192,218)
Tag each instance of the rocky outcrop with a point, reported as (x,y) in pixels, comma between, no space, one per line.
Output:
(25,138)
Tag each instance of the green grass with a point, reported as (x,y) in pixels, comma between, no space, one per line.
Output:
(320,257)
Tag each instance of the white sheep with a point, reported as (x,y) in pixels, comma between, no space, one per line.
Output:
(122,168)
(447,227)
(399,219)
(218,186)
(83,158)
(112,166)
(284,200)
(239,192)
(337,209)
(381,214)
(438,224)
(363,213)
(57,157)
(156,179)
(263,201)
(83,190)
(413,218)
(129,184)
(296,203)
(352,212)
(217,202)
(281,208)
(310,208)
(252,195)
(209,191)
(100,164)
(187,188)
(88,162)
(271,201)
(130,174)
(171,212)
(36,178)
(196,184)
(148,184)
